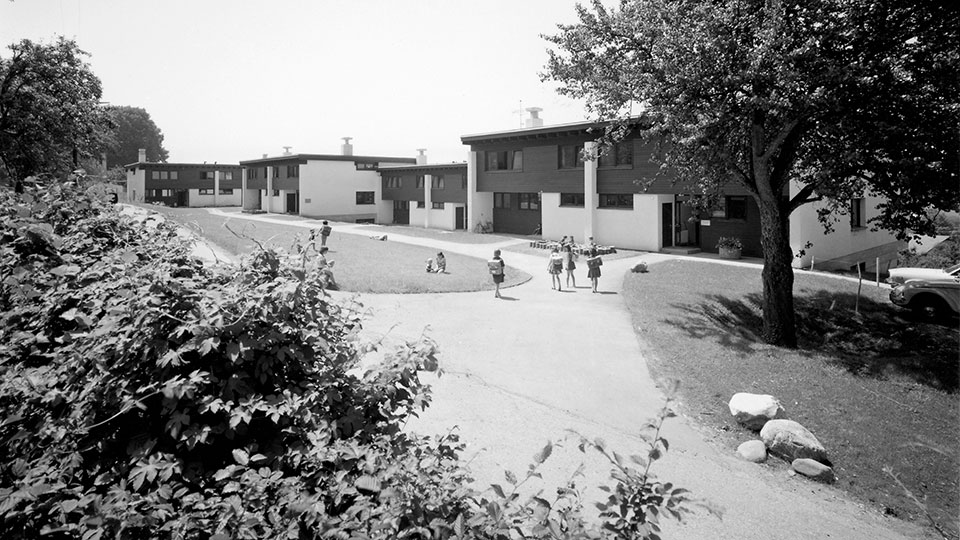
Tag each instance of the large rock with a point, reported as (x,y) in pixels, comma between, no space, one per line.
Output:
(790,440)
(754,451)
(814,469)
(754,410)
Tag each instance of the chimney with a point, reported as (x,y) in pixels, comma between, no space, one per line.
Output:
(422,158)
(264,156)
(286,150)
(346,148)
(534,120)
(142,155)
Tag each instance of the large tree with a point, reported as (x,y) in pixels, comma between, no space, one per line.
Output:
(134,130)
(837,97)
(50,114)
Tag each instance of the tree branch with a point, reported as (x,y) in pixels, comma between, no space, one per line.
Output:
(802,197)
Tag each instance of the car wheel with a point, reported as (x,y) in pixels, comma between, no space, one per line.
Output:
(929,308)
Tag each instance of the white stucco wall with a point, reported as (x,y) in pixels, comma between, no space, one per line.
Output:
(843,248)
(198,200)
(559,221)
(332,186)
(273,204)
(482,208)
(632,229)
(136,185)
(418,216)
(445,219)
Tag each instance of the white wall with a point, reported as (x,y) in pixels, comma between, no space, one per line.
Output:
(445,219)
(632,229)
(270,203)
(418,216)
(136,185)
(332,186)
(559,221)
(482,208)
(198,200)
(843,248)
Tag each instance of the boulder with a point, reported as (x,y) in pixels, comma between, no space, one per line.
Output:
(790,440)
(814,469)
(754,451)
(754,410)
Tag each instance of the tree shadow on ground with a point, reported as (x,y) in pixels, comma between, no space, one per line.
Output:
(875,341)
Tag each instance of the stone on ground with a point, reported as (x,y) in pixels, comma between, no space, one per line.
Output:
(754,410)
(754,451)
(814,469)
(790,440)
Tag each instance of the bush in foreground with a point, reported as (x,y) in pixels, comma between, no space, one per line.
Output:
(144,395)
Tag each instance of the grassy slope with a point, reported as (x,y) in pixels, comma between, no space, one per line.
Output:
(362,264)
(877,389)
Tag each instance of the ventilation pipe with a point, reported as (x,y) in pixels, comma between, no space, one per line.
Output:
(422,157)
(346,148)
(142,155)
(286,150)
(534,120)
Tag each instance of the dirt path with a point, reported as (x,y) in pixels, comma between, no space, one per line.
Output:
(528,368)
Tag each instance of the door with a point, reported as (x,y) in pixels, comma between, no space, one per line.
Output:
(401,212)
(183,197)
(292,202)
(459,221)
(666,235)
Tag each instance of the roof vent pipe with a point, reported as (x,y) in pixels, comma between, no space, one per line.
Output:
(534,120)
(422,158)
(286,150)
(346,148)
(142,155)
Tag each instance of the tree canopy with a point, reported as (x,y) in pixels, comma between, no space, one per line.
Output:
(134,129)
(50,114)
(835,97)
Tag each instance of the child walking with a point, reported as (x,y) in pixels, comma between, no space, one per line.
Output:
(554,267)
(593,263)
(496,266)
(569,264)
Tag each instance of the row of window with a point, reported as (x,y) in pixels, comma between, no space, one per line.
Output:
(174,175)
(525,201)
(569,156)
(405,205)
(210,192)
(253,173)
(437,181)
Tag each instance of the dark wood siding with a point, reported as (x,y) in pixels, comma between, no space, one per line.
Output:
(408,191)
(747,231)
(453,191)
(188,176)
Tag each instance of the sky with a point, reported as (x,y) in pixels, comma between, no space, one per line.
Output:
(231,80)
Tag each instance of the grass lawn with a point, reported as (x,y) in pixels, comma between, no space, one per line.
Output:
(362,265)
(878,389)
(461,237)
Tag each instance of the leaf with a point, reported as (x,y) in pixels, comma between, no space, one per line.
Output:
(241,456)
(511,478)
(543,454)
(498,490)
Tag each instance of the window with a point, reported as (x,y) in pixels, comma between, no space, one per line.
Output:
(529,201)
(436,182)
(616,200)
(365,166)
(276,193)
(401,205)
(366,220)
(856,213)
(571,156)
(737,208)
(621,154)
(226,192)
(166,193)
(394,182)
(206,175)
(501,200)
(293,171)
(227,175)
(504,160)
(154,175)
(206,192)
(365,197)
(251,174)
(419,181)
(571,199)
(463,182)
(173,175)
(164,175)
(420,204)
(438,206)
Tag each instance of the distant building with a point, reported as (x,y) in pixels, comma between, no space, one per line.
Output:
(340,187)
(183,184)
(426,195)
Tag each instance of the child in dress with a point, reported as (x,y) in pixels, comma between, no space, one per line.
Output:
(593,263)
(554,267)
(569,264)
(496,266)
(441,263)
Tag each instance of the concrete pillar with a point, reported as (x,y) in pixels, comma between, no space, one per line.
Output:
(269,197)
(589,188)
(427,199)
(216,187)
(472,215)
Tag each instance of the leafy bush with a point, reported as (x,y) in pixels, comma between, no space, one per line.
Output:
(147,396)
(944,254)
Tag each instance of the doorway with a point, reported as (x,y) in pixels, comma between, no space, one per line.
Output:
(666,223)
(292,199)
(459,221)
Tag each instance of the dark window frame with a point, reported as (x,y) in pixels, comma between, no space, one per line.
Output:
(575,200)
(502,200)
(857,210)
(615,200)
(366,197)
(620,155)
(437,205)
(566,152)
(529,201)
(436,182)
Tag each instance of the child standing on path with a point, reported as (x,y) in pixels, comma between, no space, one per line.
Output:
(325,232)
(593,263)
(569,265)
(496,266)
(554,267)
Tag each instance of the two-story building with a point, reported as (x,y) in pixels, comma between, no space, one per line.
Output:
(425,195)
(183,184)
(342,187)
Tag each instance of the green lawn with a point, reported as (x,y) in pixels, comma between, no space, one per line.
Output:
(361,264)
(878,389)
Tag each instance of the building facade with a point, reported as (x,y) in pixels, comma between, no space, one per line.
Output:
(429,196)
(183,184)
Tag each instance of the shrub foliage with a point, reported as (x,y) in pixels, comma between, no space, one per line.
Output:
(145,395)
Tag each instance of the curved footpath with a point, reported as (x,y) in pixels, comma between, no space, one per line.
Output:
(531,367)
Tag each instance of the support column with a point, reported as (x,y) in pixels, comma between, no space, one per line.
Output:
(427,199)
(472,216)
(589,188)
(216,187)
(245,202)
(269,171)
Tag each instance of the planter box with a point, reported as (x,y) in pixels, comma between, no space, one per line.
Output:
(729,253)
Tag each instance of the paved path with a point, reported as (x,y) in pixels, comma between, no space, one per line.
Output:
(527,368)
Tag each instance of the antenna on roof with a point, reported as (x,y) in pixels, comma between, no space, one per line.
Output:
(519,113)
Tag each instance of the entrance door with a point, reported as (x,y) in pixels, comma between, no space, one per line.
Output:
(292,202)
(183,197)
(666,235)
(401,212)
(459,221)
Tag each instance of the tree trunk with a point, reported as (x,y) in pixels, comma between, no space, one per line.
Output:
(779,323)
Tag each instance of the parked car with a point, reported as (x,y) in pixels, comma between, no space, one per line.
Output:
(929,300)
(899,276)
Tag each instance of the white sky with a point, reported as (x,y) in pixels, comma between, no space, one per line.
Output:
(230,80)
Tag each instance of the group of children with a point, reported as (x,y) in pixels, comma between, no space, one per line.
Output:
(565,261)
(441,267)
